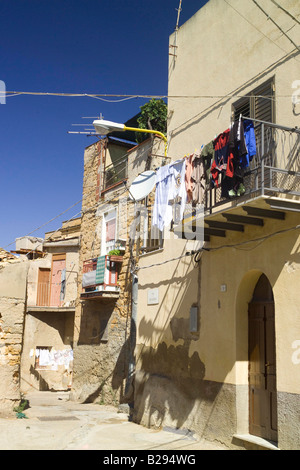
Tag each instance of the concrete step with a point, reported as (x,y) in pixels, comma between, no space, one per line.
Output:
(251,442)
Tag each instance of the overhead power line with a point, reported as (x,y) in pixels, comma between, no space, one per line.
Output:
(255,27)
(277,25)
(285,11)
(75,95)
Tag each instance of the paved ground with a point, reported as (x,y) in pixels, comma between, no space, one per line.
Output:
(53,422)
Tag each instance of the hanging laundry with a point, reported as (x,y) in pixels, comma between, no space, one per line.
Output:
(188,177)
(162,181)
(219,164)
(201,172)
(199,179)
(100,270)
(170,193)
(63,285)
(234,150)
(250,141)
(177,197)
(208,156)
(237,150)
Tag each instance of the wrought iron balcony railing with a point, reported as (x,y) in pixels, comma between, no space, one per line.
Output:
(274,171)
(101,274)
(49,294)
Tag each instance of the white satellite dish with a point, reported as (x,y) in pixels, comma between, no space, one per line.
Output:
(142,185)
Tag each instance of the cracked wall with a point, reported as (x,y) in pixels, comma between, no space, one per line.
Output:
(12,315)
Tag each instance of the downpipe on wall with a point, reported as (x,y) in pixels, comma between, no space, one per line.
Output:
(132,339)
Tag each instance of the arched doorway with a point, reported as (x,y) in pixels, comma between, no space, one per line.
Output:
(262,362)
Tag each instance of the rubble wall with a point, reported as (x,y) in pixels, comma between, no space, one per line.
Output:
(12,316)
(101,326)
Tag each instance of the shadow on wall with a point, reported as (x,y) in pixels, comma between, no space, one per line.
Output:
(101,358)
(102,350)
(171,385)
(170,377)
(43,384)
(110,386)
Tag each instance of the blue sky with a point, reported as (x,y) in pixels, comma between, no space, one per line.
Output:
(70,46)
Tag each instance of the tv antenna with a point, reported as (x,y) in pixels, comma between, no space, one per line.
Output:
(88,131)
(174,46)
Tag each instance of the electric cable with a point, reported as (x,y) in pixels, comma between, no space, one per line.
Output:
(51,220)
(197,253)
(75,95)
(274,22)
(246,19)
(285,11)
(66,210)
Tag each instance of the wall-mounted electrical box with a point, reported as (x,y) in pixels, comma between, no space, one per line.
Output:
(194,319)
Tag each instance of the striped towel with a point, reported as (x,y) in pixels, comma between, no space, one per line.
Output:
(100,270)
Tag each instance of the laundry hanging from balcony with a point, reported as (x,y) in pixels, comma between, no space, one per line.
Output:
(178,183)
(170,190)
(221,163)
(233,151)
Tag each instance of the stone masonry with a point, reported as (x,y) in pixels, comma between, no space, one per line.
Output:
(12,316)
(102,326)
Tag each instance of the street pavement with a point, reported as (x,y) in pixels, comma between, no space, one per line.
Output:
(54,422)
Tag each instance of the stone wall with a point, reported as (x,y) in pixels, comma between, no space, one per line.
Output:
(102,327)
(12,314)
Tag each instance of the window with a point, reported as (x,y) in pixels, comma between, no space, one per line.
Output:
(109,232)
(259,104)
(151,238)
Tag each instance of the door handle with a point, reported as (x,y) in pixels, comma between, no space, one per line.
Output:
(268,364)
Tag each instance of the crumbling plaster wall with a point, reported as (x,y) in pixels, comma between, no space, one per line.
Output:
(13,280)
(102,328)
(72,257)
(46,329)
(33,273)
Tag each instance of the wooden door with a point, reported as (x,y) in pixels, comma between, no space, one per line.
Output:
(43,287)
(58,264)
(262,370)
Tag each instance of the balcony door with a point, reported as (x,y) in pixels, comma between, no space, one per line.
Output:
(109,232)
(43,288)
(58,266)
(262,363)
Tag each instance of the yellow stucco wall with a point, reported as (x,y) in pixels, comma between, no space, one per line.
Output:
(224,52)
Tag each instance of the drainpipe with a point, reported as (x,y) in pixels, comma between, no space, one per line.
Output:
(132,338)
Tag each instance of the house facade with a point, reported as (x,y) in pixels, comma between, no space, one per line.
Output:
(38,294)
(13,277)
(47,352)
(103,341)
(218,312)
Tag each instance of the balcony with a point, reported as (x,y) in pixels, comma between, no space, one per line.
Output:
(49,298)
(100,278)
(115,173)
(272,185)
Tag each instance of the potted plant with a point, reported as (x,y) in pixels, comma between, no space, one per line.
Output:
(115,255)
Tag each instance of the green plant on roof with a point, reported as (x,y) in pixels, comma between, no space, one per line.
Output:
(153,116)
(114,253)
